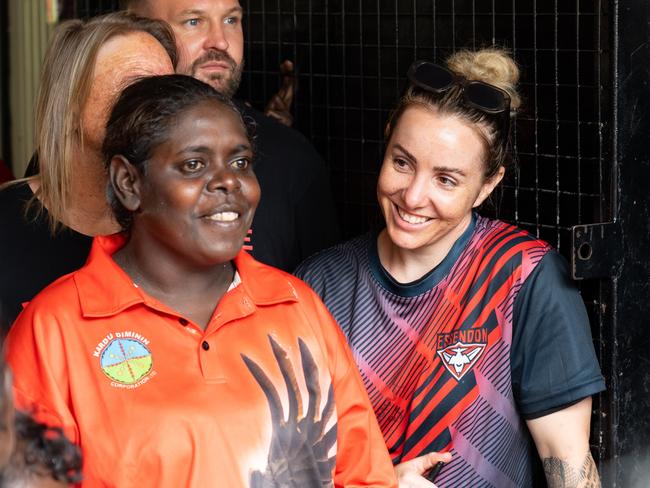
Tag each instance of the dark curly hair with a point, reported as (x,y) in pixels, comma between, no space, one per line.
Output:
(39,451)
(142,117)
(42,451)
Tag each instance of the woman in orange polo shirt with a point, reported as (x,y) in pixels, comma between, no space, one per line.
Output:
(173,357)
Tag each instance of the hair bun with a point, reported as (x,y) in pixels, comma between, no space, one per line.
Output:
(491,65)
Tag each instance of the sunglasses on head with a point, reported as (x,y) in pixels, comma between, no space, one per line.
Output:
(485,98)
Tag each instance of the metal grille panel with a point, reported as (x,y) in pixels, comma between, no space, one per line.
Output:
(352,57)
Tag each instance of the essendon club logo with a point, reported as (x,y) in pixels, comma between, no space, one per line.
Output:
(460,350)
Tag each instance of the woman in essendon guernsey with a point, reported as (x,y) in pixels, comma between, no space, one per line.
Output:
(468,332)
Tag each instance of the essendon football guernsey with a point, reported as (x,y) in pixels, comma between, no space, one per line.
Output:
(458,359)
(267,395)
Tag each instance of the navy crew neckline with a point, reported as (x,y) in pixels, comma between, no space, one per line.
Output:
(426,282)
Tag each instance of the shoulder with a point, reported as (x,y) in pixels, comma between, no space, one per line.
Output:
(335,259)
(267,284)
(500,240)
(498,231)
(550,276)
(19,227)
(270,277)
(59,297)
(14,196)
(331,273)
(20,213)
(47,319)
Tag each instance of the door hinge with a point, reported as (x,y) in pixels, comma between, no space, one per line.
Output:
(597,250)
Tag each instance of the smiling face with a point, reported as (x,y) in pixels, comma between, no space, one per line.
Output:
(431,178)
(120,61)
(209,37)
(198,196)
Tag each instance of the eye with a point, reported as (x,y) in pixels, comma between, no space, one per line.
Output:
(447,181)
(231,20)
(192,166)
(241,163)
(192,22)
(401,164)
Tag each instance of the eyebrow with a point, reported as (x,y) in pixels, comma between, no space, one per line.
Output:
(196,11)
(406,153)
(242,148)
(195,149)
(438,169)
(447,169)
(206,150)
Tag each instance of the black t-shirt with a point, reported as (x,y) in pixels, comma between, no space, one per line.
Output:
(296,216)
(30,256)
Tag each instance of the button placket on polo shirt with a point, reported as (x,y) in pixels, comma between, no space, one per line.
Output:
(237,306)
(209,360)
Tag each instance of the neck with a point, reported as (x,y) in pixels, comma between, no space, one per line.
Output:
(408,265)
(87,210)
(193,291)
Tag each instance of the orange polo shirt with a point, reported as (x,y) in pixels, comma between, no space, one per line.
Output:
(267,395)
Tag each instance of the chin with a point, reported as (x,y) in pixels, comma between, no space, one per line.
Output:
(215,257)
(404,240)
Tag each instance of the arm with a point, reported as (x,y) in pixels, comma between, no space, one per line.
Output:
(279,107)
(555,372)
(562,440)
(35,352)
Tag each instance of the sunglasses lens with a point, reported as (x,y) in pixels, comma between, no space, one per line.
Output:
(434,76)
(485,96)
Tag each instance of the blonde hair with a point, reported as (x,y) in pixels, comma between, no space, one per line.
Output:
(64,88)
(490,65)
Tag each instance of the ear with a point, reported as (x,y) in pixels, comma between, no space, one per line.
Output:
(489,185)
(126,182)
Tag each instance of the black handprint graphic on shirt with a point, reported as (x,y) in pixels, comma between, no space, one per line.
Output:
(298,454)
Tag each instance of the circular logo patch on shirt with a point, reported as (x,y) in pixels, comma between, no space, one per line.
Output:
(126,361)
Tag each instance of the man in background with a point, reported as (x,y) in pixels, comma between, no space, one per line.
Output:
(296,215)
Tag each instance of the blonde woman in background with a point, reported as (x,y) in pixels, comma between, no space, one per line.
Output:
(468,332)
(47,221)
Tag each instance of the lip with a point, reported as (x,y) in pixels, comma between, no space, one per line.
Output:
(400,222)
(224,215)
(212,66)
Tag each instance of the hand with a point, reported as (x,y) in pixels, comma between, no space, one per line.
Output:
(410,474)
(279,107)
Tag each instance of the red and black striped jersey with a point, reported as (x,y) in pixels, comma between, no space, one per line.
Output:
(451,362)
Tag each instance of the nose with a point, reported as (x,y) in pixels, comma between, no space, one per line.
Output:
(224,180)
(216,37)
(416,191)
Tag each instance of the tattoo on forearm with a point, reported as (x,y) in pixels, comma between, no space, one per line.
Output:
(560,474)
